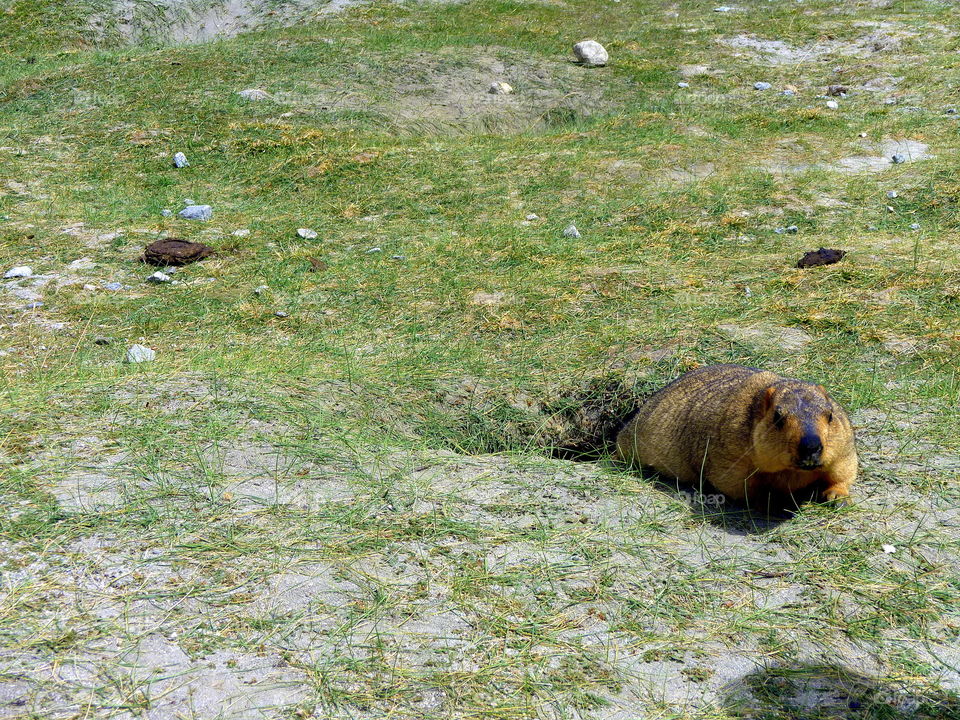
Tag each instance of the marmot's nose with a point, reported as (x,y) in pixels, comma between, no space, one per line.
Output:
(810,448)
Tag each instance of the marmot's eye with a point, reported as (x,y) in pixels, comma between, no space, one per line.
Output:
(829,417)
(778,417)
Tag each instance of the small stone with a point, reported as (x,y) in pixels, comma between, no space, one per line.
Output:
(950,111)
(888,549)
(683,85)
(500,88)
(374,250)
(189,201)
(892,194)
(88,287)
(861,135)
(723,9)
(788,93)
(180,160)
(260,289)
(914,226)
(159,277)
(780,230)
(113,286)
(281,314)
(166,213)
(898,158)
(243,232)
(872,228)
(591,53)
(762,85)
(139,354)
(307,233)
(833,104)
(532,216)
(20,271)
(792,229)
(33,306)
(890,208)
(254,94)
(196,212)
(571,231)
(398,257)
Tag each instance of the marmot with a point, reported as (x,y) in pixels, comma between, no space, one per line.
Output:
(746,432)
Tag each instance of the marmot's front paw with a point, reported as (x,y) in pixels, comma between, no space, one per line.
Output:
(838,496)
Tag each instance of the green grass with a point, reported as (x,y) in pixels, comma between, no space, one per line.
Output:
(564,590)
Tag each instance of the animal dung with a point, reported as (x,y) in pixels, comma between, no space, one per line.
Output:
(174,251)
(823,256)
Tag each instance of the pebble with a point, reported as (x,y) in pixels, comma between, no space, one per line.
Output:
(20,271)
(260,289)
(307,233)
(571,231)
(196,212)
(888,549)
(532,216)
(281,314)
(788,93)
(723,9)
(898,158)
(872,228)
(833,104)
(950,111)
(683,85)
(398,257)
(113,286)
(180,160)
(240,233)
(33,306)
(139,354)
(861,135)
(88,286)
(158,277)
(780,230)
(590,52)
(189,201)
(762,86)
(890,208)
(374,250)
(500,88)
(254,94)
(792,229)
(166,213)
(914,226)
(892,194)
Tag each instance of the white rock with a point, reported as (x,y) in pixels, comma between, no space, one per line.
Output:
(260,289)
(532,216)
(307,233)
(723,9)
(88,287)
(888,549)
(139,354)
(683,85)
(196,212)
(180,160)
(590,52)
(254,94)
(571,231)
(500,88)
(158,277)
(19,271)
(243,232)
(833,104)
(761,85)
(374,250)
(892,194)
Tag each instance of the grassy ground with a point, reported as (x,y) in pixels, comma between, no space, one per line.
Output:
(348,511)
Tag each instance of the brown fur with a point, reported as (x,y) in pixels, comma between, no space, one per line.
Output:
(744,431)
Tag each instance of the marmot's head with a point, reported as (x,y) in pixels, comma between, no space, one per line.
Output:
(798,427)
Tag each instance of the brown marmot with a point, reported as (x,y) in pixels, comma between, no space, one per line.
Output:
(745,431)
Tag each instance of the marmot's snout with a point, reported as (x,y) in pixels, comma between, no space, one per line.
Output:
(809,452)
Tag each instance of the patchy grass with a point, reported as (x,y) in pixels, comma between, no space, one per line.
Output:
(351,510)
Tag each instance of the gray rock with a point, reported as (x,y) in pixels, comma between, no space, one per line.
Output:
(683,85)
(792,229)
(374,250)
(112,286)
(260,289)
(950,111)
(898,158)
(788,93)
(196,212)
(914,226)
(33,306)
(532,216)
(20,271)
(139,354)
(166,213)
(892,194)
(398,257)
(590,52)
(189,201)
(833,104)
(254,94)
(500,88)
(762,85)
(780,230)
(180,160)
(158,277)
(571,231)
(307,233)
(723,9)
(281,314)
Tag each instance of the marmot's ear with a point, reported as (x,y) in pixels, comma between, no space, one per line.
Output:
(822,389)
(768,398)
